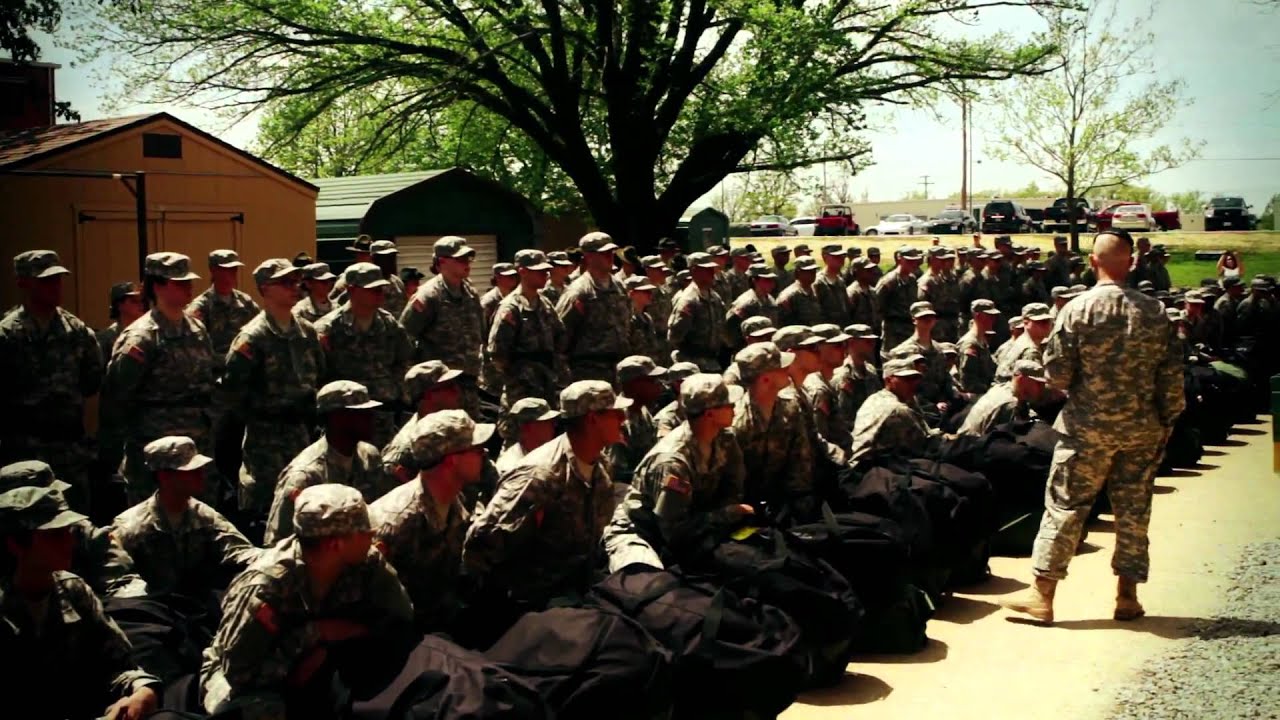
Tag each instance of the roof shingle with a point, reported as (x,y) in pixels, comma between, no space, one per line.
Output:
(19,147)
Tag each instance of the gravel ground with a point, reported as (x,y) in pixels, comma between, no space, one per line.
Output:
(1229,667)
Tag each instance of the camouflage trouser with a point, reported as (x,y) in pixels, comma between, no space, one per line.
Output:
(895,332)
(268,447)
(947,329)
(141,482)
(530,379)
(1079,472)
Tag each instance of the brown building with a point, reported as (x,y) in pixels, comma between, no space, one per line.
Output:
(57,192)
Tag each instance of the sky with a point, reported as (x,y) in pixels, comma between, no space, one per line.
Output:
(1227,51)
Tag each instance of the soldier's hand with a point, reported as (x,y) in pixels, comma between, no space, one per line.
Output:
(135,707)
(942,407)
(336,630)
(742,510)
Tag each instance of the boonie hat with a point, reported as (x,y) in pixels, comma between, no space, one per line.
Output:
(30,473)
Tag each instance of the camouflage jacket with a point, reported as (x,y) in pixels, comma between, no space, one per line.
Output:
(223,317)
(394,298)
(997,406)
(45,376)
(668,418)
(595,321)
(976,367)
(696,330)
(828,420)
(894,296)
(777,452)
(943,290)
(1022,348)
(398,467)
(203,552)
(377,358)
(107,339)
(643,334)
(422,539)
(748,305)
(317,465)
(862,305)
(101,562)
(833,298)
(738,284)
(853,386)
(797,306)
(639,434)
(785,278)
(886,424)
(308,310)
(272,374)
(446,325)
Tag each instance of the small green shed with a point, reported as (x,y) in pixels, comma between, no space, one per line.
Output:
(415,209)
(700,228)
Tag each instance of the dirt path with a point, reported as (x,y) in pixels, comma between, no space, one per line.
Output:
(980,665)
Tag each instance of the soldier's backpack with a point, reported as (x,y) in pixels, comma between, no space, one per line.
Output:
(581,660)
(731,655)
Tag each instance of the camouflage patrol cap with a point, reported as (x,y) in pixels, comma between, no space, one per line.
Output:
(1059,291)
(120,291)
(30,473)
(225,259)
(175,452)
(531,409)
(779,249)
(683,277)
(853,251)
(1003,240)
(796,336)
(318,272)
(532,260)
(451,246)
(833,250)
(1079,289)
(908,253)
(757,326)
(1030,369)
(560,257)
(444,433)
(36,508)
(1015,321)
(900,367)
(169,266)
(1193,297)
(861,331)
(717,251)
(1036,311)
(761,272)
(922,308)
(1260,283)
(1146,286)
(947,348)
(590,396)
(1231,281)
(330,510)
(503,269)
(681,370)
(366,276)
(705,391)
(701,260)
(668,244)
(411,273)
(873,251)
(1076,260)
(597,242)
(756,360)
(1059,239)
(653,262)
(739,252)
(383,247)
(275,269)
(830,333)
(805,264)
(862,263)
(38,264)
(1175,315)
(344,395)
(638,283)
(638,366)
(982,305)
(424,376)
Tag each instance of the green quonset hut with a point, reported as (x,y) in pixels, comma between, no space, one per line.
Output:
(415,209)
(702,228)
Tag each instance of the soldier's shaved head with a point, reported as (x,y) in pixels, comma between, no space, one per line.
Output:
(1111,256)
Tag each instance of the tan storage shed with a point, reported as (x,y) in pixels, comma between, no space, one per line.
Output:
(57,192)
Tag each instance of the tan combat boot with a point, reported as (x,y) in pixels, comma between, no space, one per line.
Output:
(1036,602)
(1127,605)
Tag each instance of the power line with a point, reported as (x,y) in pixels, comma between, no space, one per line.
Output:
(924,180)
(1236,159)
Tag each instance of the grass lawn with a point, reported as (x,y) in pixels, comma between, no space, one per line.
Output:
(1260,250)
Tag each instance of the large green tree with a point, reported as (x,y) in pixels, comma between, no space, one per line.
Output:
(1090,123)
(644,105)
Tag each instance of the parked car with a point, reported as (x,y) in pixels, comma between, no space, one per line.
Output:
(900,224)
(953,222)
(1064,212)
(1163,219)
(836,220)
(772,225)
(1228,213)
(1005,217)
(1133,217)
(805,226)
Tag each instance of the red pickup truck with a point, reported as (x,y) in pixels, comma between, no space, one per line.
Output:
(836,220)
(1165,219)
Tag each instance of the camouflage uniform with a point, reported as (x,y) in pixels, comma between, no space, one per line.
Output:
(639,435)
(853,386)
(272,375)
(1058,269)
(886,424)
(830,424)
(833,299)
(1255,315)
(596,329)
(1226,307)
(997,406)
(738,283)
(696,331)
(943,290)
(106,338)
(894,296)
(307,308)
(394,298)
(797,306)
(678,494)
(539,538)
(659,309)
(778,451)
(523,345)
(46,374)
(447,324)
(223,317)
(669,418)
(320,464)
(1116,419)
(268,613)
(748,305)
(785,278)
(490,378)
(1023,348)
(936,385)
(376,357)
(862,305)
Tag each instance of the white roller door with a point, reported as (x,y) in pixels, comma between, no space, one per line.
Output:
(415,251)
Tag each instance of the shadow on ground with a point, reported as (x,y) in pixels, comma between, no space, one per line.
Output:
(1230,442)
(935,651)
(994,585)
(1172,628)
(963,610)
(1209,452)
(1166,489)
(1249,432)
(854,689)
(1106,526)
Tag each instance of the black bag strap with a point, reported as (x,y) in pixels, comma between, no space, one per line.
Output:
(714,617)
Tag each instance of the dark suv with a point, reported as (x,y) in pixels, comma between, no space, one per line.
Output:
(1005,217)
(1228,213)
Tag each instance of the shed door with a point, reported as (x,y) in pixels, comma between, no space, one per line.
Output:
(198,234)
(106,254)
(415,251)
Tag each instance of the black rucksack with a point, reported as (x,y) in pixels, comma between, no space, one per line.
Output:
(583,659)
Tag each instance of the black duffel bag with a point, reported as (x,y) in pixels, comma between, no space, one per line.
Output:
(731,655)
(583,659)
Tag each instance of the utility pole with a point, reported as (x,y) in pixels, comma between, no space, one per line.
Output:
(964,153)
(924,180)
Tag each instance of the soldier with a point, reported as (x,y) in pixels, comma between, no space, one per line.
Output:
(420,526)
(384,254)
(772,434)
(594,311)
(720,255)
(757,301)
(272,373)
(362,250)
(939,287)
(873,257)
(739,281)
(856,379)
(412,278)
(1081,273)
(343,455)
(1112,430)
(324,585)
(696,330)
(820,391)
(975,367)
(642,332)
(317,283)
(688,488)
(781,257)
(179,544)
(1006,402)
(1255,314)
(935,390)
(1037,323)
(1015,329)
(1140,270)
(529,424)
(97,558)
(1200,327)
(833,298)
(671,414)
(539,538)
(66,658)
(557,283)
(895,294)
(668,250)
(1227,306)
(444,318)
(49,364)
(664,295)
(1033,288)
(862,296)
(799,304)
(223,308)
(525,336)
(1058,267)
(886,422)
(1061,295)
(127,305)
(640,381)
(505,280)
(364,343)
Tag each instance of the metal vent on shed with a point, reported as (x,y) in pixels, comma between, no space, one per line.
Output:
(161,145)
